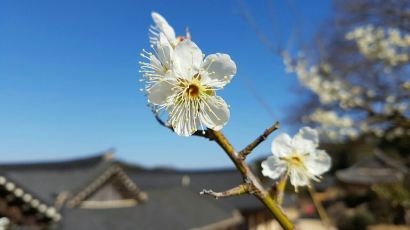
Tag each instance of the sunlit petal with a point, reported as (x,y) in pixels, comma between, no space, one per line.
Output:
(187,59)
(282,145)
(163,26)
(159,92)
(306,140)
(318,162)
(215,113)
(298,178)
(220,69)
(273,167)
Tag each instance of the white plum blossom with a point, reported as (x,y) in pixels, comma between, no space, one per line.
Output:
(180,81)
(162,27)
(4,223)
(297,157)
(318,79)
(332,126)
(388,45)
(346,97)
(355,101)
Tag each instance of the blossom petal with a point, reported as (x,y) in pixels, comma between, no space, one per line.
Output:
(159,92)
(318,162)
(273,167)
(163,26)
(306,140)
(215,113)
(220,68)
(185,127)
(298,177)
(183,119)
(282,145)
(164,52)
(156,63)
(187,59)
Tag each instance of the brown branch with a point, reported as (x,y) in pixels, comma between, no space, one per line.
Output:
(280,187)
(248,149)
(258,190)
(236,191)
(162,123)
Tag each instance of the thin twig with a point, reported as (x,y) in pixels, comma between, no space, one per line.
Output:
(319,207)
(248,149)
(236,191)
(162,123)
(247,16)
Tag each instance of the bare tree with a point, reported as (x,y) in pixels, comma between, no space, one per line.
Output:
(357,71)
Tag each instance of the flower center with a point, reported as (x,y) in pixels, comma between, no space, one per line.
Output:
(193,90)
(295,161)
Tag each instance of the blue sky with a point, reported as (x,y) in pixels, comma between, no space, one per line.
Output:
(69,76)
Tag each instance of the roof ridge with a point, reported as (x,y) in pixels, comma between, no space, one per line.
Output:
(101,178)
(29,198)
(393,163)
(103,156)
(190,171)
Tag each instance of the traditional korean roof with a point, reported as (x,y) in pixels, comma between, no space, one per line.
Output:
(110,172)
(167,208)
(16,193)
(46,180)
(163,198)
(217,180)
(375,169)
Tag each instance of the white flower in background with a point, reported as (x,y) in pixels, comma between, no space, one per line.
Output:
(344,95)
(406,85)
(4,223)
(388,45)
(320,81)
(186,88)
(162,27)
(332,126)
(299,158)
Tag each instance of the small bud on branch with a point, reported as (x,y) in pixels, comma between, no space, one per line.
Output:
(236,191)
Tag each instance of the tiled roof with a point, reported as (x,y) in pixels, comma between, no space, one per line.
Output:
(173,195)
(167,208)
(375,169)
(46,180)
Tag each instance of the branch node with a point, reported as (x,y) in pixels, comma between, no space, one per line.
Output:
(210,192)
(236,191)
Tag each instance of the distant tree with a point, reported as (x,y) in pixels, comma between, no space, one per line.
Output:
(358,72)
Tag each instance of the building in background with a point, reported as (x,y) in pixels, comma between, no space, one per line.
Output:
(101,193)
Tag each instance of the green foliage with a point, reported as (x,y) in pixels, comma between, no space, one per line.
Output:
(360,219)
(396,194)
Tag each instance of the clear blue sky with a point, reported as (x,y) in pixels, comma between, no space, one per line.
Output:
(69,76)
